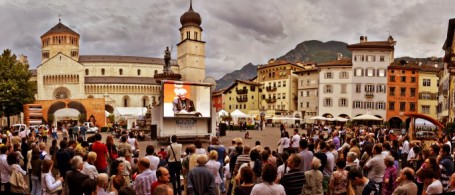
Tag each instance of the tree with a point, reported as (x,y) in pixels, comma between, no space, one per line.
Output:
(16,89)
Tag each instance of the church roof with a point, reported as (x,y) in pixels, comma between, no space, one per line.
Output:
(60,28)
(120,80)
(123,59)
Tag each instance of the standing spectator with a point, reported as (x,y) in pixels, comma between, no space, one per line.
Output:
(29,165)
(214,166)
(112,150)
(247,176)
(351,159)
(434,186)
(63,159)
(88,167)
(295,140)
(268,187)
(162,153)
(5,169)
(188,163)
(154,160)
(83,131)
(124,146)
(13,162)
(75,178)
(201,179)
(406,183)
(339,179)
(221,150)
(243,158)
(199,149)
(48,182)
(313,179)
(102,184)
(24,149)
(54,132)
(64,132)
(446,165)
(75,132)
(305,155)
(376,167)
(336,140)
(127,167)
(329,166)
(101,154)
(144,181)
(175,167)
(162,174)
(283,140)
(405,151)
(43,153)
(35,172)
(362,184)
(390,175)
(163,190)
(284,168)
(294,180)
(89,186)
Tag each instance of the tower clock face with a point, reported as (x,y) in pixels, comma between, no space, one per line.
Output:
(61,94)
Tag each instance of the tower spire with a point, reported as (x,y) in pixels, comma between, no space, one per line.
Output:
(59,18)
(191,4)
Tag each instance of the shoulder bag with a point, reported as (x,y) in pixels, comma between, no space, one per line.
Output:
(179,163)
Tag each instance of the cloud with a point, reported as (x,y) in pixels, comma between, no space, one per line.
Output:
(236,32)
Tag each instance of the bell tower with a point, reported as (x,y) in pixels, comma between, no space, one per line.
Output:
(191,49)
(58,39)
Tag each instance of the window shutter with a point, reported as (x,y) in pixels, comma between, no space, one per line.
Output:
(363,72)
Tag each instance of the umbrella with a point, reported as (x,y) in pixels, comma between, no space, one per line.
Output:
(367,117)
(318,118)
(341,119)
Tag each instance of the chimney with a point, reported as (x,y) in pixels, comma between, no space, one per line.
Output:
(339,56)
(361,39)
(366,38)
(272,60)
(390,39)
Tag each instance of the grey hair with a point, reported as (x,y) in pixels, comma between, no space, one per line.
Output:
(315,163)
(76,161)
(102,179)
(389,160)
(352,155)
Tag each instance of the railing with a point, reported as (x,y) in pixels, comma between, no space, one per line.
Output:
(270,100)
(369,95)
(242,91)
(270,88)
(242,99)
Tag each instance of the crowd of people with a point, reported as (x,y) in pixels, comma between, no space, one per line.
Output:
(342,161)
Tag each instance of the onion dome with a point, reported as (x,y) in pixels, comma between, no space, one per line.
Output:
(190,18)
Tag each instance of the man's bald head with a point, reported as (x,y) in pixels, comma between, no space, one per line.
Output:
(143,163)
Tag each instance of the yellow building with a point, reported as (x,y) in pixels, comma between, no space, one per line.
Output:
(242,95)
(279,96)
(428,90)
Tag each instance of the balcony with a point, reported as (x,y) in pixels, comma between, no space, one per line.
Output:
(241,91)
(242,99)
(369,95)
(270,88)
(270,100)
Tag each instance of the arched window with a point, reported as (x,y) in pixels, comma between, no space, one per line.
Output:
(138,72)
(120,71)
(86,71)
(103,71)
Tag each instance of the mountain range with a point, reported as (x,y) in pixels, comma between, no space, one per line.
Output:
(307,51)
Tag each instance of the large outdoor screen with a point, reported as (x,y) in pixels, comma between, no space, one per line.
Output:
(186,100)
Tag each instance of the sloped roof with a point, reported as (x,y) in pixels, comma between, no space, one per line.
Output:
(406,66)
(60,28)
(373,44)
(248,82)
(123,59)
(428,68)
(341,62)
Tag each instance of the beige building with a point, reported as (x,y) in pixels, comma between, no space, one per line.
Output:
(279,96)
(123,81)
(242,95)
(428,91)
(307,90)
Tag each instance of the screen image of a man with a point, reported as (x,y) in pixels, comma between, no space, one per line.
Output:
(182,104)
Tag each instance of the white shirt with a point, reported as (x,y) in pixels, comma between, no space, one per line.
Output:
(48,182)
(411,154)
(285,142)
(377,168)
(328,170)
(144,181)
(267,189)
(281,172)
(406,147)
(89,170)
(131,141)
(214,167)
(200,151)
(435,188)
(5,169)
(295,140)
(154,161)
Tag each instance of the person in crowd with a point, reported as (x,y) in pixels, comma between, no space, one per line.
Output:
(29,165)
(163,177)
(214,166)
(390,175)
(281,142)
(63,159)
(116,170)
(354,148)
(375,166)
(75,177)
(329,165)
(89,186)
(126,190)
(132,141)
(293,180)
(333,151)
(313,179)
(101,154)
(101,188)
(268,187)
(362,184)
(35,172)
(284,168)
(351,159)
(295,140)
(88,167)
(306,156)
(336,140)
(117,182)
(54,133)
(127,166)
(221,150)
(406,183)
(188,163)
(50,186)
(163,153)
(247,176)
(431,183)
(199,149)
(154,160)
(5,169)
(446,165)
(144,181)
(339,179)
(163,189)
(243,158)
(112,150)
(13,162)
(174,151)
(201,179)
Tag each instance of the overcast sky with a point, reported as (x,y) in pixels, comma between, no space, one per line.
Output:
(236,31)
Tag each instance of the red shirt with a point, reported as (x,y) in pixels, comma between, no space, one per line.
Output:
(101,150)
(154,185)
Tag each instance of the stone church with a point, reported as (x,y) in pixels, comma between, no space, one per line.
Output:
(123,81)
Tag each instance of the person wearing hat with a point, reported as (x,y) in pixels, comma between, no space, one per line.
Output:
(201,179)
(182,103)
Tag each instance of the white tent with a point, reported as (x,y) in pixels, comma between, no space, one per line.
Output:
(318,118)
(366,117)
(222,113)
(129,111)
(66,113)
(238,113)
(341,119)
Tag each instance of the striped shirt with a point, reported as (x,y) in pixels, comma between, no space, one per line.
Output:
(143,182)
(244,158)
(293,181)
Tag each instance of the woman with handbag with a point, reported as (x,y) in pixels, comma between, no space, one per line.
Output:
(49,184)
(18,184)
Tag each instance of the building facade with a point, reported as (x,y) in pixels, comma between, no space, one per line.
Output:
(334,97)
(242,95)
(443,95)
(403,84)
(307,91)
(449,65)
(428,90)
(370,60)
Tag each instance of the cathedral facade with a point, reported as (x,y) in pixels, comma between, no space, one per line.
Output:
(122,81)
